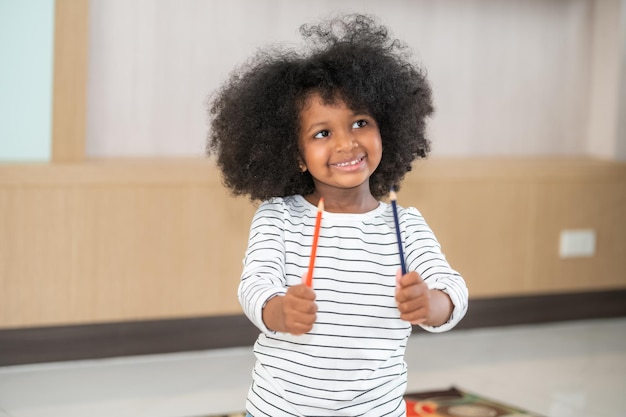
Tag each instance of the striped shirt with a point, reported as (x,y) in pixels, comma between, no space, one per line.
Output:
(351,363)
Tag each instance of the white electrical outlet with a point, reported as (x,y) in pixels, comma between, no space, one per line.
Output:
(579,243)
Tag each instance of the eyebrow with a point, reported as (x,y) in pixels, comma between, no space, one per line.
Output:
(315,126)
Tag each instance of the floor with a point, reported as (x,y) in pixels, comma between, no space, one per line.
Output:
(559,370)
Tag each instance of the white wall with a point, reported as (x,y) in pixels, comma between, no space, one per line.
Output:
(607,65)
(515,77)
(620,138)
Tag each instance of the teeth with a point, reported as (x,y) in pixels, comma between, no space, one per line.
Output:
(345,164)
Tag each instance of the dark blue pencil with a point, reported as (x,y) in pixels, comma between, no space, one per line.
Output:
(392,197)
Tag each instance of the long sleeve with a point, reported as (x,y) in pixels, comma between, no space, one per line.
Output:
(424,255)
(263,275)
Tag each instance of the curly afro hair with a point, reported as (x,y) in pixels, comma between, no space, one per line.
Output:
(255,114)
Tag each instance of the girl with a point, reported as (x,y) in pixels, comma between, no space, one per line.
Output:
(343,122)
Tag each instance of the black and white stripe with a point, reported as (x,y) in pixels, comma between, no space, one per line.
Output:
(352,361)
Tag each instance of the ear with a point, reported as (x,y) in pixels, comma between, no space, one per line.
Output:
(301,164)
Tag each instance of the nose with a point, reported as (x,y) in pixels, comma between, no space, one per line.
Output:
(345,141)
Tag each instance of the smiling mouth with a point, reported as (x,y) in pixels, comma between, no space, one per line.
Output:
(354,162)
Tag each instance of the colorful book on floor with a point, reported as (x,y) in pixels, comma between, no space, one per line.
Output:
(457,403)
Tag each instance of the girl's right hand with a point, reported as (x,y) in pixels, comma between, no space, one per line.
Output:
(294,313)
(299,309)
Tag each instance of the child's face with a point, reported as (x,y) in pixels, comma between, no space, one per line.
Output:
(340,148)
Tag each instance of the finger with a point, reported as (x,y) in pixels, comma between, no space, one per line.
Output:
(413,292)
(416,318)
(303,329)
(412,305)
(299,328)
(407,300)
(308,308)
(410,278)
(294,306)
(301,319)
(414,314)
(302,291)
(299,323)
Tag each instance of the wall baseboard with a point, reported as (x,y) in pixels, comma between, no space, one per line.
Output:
(105,340)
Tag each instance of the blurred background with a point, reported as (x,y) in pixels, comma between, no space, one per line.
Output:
(109,211)
(118,238)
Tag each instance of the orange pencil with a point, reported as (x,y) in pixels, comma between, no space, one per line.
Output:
(316,234)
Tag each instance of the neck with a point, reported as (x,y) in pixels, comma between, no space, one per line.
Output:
(344,201)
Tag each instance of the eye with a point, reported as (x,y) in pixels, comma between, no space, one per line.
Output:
(322,134)
(359,124)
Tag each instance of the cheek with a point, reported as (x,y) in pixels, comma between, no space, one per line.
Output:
(376,149)
(315,154)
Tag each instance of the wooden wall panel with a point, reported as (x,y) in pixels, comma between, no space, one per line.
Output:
(483,226)
(583,204)
(138,240)
(69,107)
(82,251)
(499,221)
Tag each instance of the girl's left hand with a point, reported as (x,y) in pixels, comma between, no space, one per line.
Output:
(413,297)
